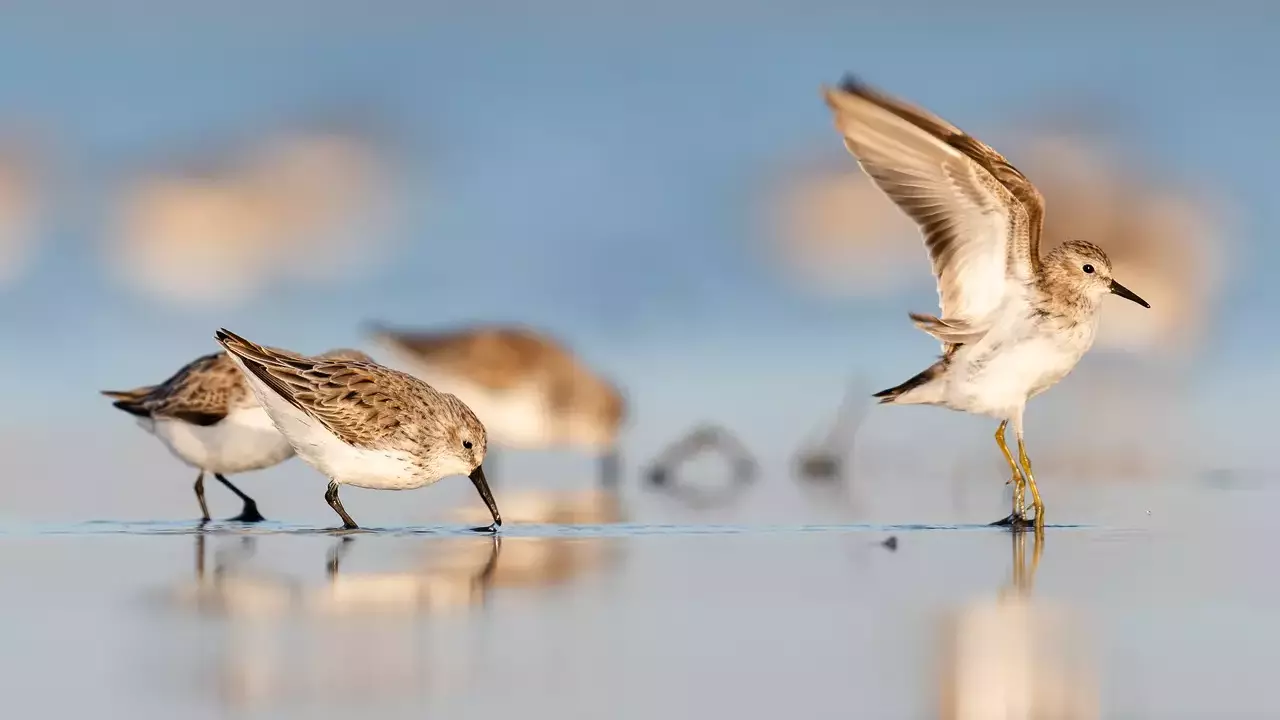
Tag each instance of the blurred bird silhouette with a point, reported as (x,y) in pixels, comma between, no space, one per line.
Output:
(529,390)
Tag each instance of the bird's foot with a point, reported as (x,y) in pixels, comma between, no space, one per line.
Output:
(1015,522)
(249,514)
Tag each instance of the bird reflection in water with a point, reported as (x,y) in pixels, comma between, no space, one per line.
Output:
(361,639)
(430,591)
(1015,657)
(543,561)
(357,637)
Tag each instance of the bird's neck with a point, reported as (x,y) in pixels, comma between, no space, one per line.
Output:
(1059,296)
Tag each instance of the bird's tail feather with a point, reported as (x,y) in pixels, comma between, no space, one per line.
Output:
(131,401)
(898,393)
(135,394)
(132,408)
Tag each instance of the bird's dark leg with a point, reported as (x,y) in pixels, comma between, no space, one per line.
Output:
(1018,518)
(610,468)
(331,496)
(204,509)
(250,511)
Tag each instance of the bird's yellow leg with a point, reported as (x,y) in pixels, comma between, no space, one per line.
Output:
(1031,481)
(1019,505)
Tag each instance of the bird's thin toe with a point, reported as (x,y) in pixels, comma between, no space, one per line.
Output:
(249,515)
(1014,522)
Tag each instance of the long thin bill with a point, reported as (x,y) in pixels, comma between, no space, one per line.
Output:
(1127,294)
(482,485)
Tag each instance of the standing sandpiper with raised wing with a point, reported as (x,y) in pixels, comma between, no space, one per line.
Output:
(1012,323)
(363,424)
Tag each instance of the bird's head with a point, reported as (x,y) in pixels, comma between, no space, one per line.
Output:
(1085,268)
(460,447)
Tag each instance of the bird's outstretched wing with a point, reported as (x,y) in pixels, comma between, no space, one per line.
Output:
(980,217)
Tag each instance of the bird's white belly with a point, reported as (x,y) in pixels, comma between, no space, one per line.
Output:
(244,440)
(342,463)
(1000,383)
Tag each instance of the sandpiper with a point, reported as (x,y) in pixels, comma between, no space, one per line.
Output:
(530,391)
(208,418)
(1012,323)
(362,424)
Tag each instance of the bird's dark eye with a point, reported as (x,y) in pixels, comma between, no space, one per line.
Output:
(1088,269)
(466,444)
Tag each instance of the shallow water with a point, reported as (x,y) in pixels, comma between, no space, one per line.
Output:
(608,616)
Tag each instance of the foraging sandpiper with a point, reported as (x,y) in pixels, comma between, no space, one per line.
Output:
(363,424)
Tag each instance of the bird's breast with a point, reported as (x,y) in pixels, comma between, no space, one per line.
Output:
(1013,363)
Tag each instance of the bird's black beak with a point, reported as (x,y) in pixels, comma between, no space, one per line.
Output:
(482,486)
(1126,293)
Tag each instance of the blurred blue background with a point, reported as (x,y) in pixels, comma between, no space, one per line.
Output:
(626,177)
(658,185)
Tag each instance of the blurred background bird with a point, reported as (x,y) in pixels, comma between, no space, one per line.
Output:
(527,388)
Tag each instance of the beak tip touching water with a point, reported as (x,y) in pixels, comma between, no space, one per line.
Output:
(1127,294)
(482,486)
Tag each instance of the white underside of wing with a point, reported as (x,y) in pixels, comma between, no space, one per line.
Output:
(966,216)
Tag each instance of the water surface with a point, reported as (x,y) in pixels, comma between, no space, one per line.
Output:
(611,617)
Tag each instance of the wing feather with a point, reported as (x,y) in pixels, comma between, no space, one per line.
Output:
(201,392)
(979,216)
(349,397)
